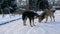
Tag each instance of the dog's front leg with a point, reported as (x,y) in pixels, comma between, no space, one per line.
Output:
(46,19)
(51,18)
(39,19)
(33,22)
(54,18)
(30,23)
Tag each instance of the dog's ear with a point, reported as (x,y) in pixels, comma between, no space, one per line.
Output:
(39,16)
(36,16)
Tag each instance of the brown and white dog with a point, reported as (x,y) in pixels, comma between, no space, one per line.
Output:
(45,14)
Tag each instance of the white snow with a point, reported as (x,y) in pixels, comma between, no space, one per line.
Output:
(16,27)
(8,18)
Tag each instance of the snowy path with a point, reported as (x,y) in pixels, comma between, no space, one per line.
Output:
(17,27)
(40,28)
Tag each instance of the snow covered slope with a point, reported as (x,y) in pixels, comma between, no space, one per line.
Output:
(17,27)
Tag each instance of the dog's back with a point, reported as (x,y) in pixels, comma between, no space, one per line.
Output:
(49,12)
(29,14)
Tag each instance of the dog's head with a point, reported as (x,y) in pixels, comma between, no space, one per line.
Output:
(39,18)
(36,15)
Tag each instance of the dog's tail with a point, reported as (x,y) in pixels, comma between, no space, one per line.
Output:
(54,11)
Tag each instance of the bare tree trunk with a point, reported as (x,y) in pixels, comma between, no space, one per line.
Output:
(2,12)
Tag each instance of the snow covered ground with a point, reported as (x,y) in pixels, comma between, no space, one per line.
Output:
(7,18)
(16,27)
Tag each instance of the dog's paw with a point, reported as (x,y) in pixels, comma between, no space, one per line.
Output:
(24,24)
(45,22)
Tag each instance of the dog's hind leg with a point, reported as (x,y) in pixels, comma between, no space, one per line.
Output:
(54,18)
(24,18)
(24,22)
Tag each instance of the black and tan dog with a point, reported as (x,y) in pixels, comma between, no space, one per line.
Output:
(47,13)
(30,15)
